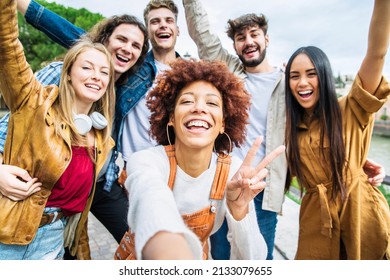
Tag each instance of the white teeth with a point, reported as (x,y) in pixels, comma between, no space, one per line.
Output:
(163,35)
(125,59)
(304,92)
(198,124)
(250,51)
(93,86)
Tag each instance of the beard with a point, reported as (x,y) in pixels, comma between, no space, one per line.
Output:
(253,62)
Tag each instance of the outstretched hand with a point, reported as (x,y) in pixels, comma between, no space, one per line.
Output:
(16,183)
(248,180)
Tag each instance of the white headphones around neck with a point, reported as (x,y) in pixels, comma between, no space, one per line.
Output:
(84,123)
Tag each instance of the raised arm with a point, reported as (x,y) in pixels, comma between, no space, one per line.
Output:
(370,71)
(47,76)
(54,26)
(16,77)
(209,45)
(22,6)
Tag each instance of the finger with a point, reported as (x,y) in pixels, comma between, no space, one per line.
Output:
(260,176)
(252,151)
(17,186)
(19,172)
(270,157)
(34,187)
(374,183)
(238,184)
(258,186)
(378,179)
(21,190)
(14,198)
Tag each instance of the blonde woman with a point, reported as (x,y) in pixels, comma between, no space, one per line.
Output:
(60,139)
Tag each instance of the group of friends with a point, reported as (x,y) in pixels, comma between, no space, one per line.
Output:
(210,146)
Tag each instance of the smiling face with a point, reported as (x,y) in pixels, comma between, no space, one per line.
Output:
(125,45)
(198,116)
(89,76)
(162,29)
(250,45)
(304,82)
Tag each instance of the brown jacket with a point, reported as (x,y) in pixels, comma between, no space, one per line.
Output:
(32,142)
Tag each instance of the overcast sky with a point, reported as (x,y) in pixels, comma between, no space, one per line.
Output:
(339,28)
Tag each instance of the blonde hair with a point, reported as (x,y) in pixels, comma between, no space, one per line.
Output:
(66,96)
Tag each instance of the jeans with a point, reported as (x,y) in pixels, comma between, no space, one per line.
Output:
(47,244)
(267,220)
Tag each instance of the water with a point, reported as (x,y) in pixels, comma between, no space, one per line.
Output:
(380,151)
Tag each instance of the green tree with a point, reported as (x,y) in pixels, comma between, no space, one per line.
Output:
(39,49)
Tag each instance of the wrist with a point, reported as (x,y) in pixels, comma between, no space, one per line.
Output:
(237,212)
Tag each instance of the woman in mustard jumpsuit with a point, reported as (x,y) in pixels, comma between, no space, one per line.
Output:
(342,216)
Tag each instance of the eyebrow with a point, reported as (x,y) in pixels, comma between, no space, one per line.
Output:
(308,70)
(207,94)
(92,63)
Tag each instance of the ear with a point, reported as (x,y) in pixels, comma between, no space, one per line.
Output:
(222,128)
(170,122)
(234,47)
(266,41)
(178,31)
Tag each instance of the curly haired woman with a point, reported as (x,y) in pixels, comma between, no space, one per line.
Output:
(181,190)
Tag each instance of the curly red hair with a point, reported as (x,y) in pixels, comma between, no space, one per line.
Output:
(161,100)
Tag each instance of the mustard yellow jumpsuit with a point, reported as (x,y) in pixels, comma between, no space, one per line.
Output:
(359,227)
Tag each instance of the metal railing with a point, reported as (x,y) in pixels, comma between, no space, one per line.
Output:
(386,181)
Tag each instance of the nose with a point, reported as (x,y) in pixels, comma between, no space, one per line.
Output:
(96,75)
(248,40)
(199,107)
(163,23)
(127,47)
(302,81)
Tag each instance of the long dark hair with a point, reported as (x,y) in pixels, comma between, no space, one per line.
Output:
(329,116)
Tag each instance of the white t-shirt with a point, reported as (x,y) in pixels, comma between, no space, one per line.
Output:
(135,136)
(260,86)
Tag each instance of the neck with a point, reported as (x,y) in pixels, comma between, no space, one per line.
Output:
(117,76)
(193,161)
(263,67)
(81,108)
(164,56)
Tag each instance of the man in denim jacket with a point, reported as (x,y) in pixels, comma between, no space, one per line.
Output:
(160,18)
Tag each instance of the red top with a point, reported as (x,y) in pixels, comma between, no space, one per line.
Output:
(71,191)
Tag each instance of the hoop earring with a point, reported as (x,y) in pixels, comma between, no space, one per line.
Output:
(169,139)
(230,144)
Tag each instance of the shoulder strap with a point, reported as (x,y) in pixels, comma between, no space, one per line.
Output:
(170,150)
(221,176)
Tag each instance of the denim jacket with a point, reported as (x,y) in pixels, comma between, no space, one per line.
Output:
(210,47)
(127,95)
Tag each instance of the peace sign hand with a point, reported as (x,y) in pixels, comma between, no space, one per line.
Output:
(248,180)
